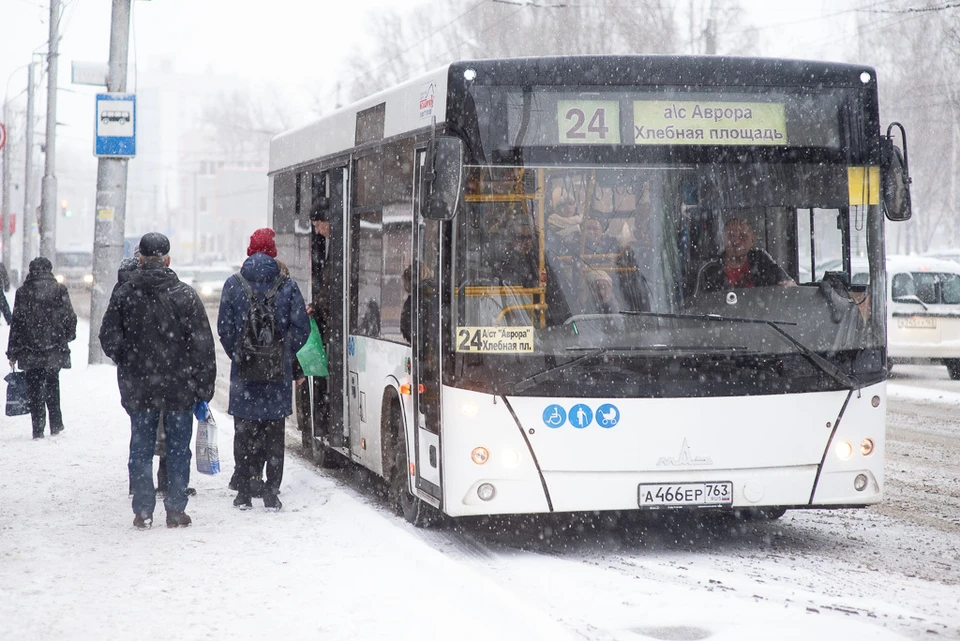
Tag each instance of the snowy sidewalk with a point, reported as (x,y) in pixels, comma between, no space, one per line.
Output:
(331,565)
(327,567)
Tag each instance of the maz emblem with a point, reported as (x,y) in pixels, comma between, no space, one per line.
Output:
(684,458)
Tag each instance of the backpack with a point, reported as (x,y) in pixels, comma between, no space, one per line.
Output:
(259,351)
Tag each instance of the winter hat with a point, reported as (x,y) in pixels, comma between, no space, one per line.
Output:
(154,244)
(40,264)
(261,242)
(126,269)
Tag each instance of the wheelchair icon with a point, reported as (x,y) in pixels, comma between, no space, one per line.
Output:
(554,416)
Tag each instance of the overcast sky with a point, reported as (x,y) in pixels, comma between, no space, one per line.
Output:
(295,45)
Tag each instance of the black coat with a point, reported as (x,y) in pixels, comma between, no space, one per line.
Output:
(156,331)
(43,323)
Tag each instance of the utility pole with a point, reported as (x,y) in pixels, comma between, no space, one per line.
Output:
(48,191)
(28,212)
(111,191)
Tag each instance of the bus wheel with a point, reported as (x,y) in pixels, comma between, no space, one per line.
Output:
(405,504)
(953,368)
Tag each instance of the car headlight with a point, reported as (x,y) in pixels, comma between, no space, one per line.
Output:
(206,291)
(60,278)
(88,279)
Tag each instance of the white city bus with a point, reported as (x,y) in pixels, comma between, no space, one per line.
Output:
(569,341)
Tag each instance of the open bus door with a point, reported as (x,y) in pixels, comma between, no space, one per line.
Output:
(327,287)
(427,284)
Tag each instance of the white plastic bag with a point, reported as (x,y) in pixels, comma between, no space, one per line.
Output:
(207,454)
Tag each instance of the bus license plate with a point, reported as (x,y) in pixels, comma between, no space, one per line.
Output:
(917,322)
(682,494)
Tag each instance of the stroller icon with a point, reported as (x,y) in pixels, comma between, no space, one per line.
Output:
(608,415)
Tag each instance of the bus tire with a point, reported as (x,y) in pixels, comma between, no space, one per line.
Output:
(401,500)
(953,368)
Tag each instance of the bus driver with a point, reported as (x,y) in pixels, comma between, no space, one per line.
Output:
(742,263)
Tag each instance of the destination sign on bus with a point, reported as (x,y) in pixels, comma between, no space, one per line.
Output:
(673,122)
(495,340)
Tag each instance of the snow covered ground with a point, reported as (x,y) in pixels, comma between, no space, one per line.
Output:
(335,564)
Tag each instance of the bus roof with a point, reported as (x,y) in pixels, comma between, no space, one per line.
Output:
(407,106)
(412,104)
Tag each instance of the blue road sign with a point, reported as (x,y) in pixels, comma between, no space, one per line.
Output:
(116,125)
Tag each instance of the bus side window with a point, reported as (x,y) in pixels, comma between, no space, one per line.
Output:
(366,239)
(284,202)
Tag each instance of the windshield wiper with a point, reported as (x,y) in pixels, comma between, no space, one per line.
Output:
(530,381)
(825,366)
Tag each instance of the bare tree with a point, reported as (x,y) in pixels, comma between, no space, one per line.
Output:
(413,43)
(915,46)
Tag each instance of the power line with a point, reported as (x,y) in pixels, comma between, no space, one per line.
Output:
(943,7)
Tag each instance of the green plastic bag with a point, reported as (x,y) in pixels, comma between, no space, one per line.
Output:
(312,356)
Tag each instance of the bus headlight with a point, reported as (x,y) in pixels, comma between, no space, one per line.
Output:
(866,447)
(469,408)
(480,455)
(486,491)
(843,450)
(511,458)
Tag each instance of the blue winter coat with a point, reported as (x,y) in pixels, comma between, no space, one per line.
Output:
(262,400)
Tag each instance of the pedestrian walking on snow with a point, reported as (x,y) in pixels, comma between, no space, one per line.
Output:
(43,323)
(156,330)
(262,323)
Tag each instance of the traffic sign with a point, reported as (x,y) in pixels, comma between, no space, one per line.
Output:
(3,135)
(116,125)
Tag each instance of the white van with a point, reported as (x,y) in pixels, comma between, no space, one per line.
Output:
(923,311)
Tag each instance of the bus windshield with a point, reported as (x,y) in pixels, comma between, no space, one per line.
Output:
(641,262)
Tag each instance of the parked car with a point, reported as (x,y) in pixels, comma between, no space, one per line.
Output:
(923,311)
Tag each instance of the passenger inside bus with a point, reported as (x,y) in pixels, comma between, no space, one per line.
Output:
(742,264)
(564,222)
(598,295)
(518,268)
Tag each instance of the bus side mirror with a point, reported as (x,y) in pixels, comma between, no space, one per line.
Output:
(444,180)
(895,177)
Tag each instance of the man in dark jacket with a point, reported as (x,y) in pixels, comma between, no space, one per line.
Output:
(156,330)
(742,264)
(43,324)
(260,407)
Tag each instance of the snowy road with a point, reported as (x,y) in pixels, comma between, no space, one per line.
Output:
(335,564)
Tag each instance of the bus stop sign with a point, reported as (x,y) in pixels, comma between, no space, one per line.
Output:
(116,125)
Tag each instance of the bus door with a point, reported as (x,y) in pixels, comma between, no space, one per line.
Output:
(427,285)
(328,270)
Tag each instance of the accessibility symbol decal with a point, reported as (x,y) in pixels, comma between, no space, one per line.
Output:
(580,416)
(554,416)
(608,415)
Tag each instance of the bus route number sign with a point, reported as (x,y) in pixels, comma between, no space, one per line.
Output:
(683,494)
(589,122)
(495,340)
